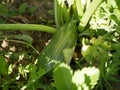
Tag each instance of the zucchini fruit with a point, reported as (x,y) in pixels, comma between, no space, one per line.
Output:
(61,47)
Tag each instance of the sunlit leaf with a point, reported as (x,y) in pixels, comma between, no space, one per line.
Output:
(112,3)
(78,78)
(117,13)
(93,73)
(10,69)
(86,78)
(31,67)
(70,2)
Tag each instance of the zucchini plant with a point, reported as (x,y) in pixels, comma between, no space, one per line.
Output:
(62,45)
(93,27)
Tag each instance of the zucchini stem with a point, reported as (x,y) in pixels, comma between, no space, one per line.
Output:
(28,27)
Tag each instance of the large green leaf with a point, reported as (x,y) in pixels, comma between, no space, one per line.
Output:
(63,76)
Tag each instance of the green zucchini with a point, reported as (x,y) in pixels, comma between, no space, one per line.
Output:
(61,47)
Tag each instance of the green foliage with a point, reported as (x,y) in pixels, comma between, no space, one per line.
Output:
(84,79)
(63,77)
(25,38)
(99,49)
(60,48)
(22,8)
(3,9)
(95,25)
(32,9)
(3,66)
(33,82)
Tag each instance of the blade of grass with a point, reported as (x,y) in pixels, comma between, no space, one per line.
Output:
(27,27)
(88,13)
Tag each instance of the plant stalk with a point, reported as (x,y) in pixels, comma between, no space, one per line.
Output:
(27,27)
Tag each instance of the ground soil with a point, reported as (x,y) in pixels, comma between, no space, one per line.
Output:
(43,15)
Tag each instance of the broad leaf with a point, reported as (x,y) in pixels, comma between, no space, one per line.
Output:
(63,76)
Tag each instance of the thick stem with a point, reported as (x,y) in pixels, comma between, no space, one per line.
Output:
(28,27)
